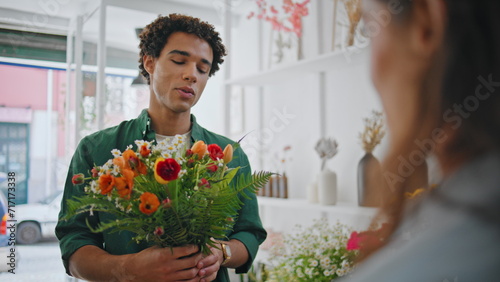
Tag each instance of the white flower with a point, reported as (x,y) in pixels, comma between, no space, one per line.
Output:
(325,262)
(313,262)
(327,273)
(345,264)
(129,147)
(299,272)
(115,171)
(166,155)
(180,160)
(340,272)
(308,272)
(116,153)
(94,187)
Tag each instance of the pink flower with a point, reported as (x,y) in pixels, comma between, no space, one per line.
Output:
(167,203)
(159,231)
(353,243)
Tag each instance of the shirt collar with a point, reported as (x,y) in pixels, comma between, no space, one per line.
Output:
(148,133)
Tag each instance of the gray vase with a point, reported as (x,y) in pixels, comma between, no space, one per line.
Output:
(369,181)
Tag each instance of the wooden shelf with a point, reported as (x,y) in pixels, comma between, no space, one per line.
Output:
(296,70)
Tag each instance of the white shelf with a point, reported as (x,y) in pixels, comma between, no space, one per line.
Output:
(344,208)
(296,70)
(282,214)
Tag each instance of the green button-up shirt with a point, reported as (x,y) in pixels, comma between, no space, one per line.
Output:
(95,149)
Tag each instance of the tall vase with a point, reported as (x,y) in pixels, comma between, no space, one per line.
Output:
(327,187)
(369,181)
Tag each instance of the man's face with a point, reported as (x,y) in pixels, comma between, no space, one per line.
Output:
(179,75)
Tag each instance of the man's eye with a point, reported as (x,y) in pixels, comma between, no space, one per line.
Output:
(202,71)
(177,62)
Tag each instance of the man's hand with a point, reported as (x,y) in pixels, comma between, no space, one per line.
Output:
(152,264)
(163,264)
(210,265)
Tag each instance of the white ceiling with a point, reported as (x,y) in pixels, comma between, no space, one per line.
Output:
(123,16)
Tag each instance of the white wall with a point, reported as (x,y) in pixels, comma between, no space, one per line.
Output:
(350,97)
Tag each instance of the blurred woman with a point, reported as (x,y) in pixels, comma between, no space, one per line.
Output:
(436,66)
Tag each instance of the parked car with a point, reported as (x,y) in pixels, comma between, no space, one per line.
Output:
(37,221)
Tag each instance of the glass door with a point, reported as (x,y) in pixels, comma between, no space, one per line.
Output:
(14,155)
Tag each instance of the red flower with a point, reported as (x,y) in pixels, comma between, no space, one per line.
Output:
(204,183)
(212,167)
(95,172)
(215,152)
(78,179)
(166,170)
(189,153)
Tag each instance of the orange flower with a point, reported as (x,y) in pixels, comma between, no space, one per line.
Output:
(120,162)
(144,151)
(149,203)
(134,163)
(129,160)
(106,183)
(125,183)
(199,148)
(228,153)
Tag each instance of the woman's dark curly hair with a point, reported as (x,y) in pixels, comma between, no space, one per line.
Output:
(154,37)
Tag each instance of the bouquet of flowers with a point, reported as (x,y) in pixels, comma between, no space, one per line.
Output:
(318,253)
(167,194)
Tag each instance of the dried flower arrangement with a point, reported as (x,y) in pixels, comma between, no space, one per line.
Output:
(326,149)
(373,133)
(353,8)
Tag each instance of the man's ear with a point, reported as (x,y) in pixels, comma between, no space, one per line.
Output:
(149,64)
(428,26)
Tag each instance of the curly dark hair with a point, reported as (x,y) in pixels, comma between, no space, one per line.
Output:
(154,37)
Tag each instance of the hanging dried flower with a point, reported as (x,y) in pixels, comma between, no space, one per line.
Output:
(373,133)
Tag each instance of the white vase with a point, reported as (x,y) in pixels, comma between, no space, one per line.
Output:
(327,187)
(312,192)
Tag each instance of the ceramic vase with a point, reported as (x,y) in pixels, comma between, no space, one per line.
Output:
(327,187)
(369,181)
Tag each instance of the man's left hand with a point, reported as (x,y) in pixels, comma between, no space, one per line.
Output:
(210,265)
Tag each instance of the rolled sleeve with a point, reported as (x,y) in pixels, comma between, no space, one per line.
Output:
(248,228)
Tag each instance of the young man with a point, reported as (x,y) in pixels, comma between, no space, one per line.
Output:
(178,54)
